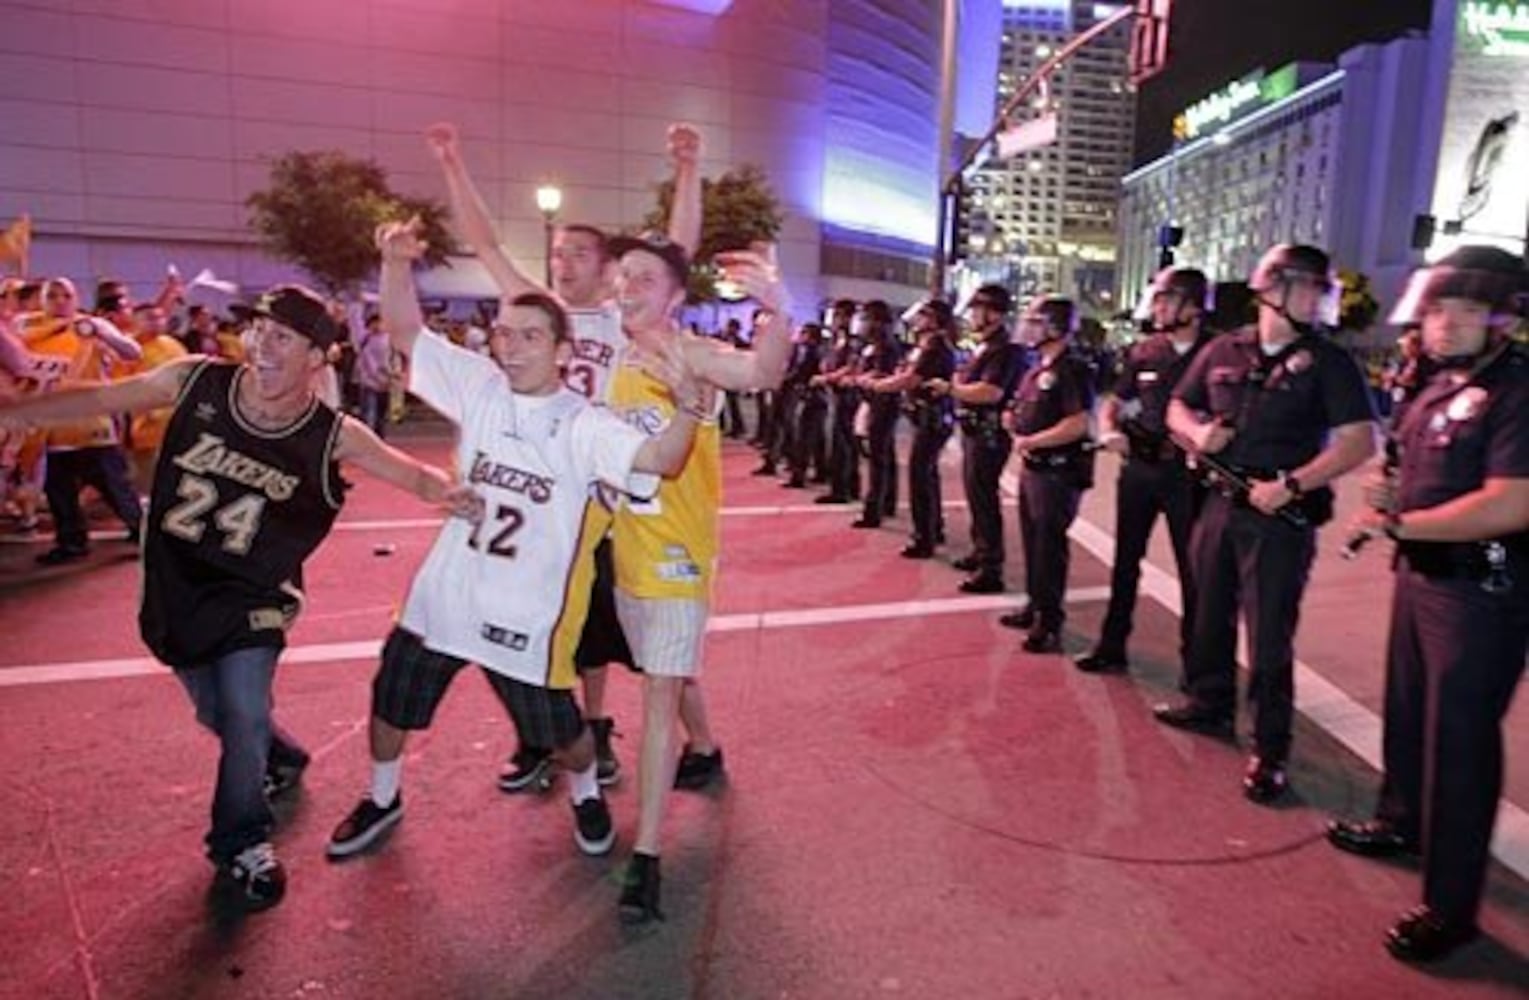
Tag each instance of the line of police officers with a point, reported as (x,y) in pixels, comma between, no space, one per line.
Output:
(1236,441)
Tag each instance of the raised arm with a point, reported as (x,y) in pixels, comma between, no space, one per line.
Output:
(764,365)
(685,213)
(471,214)
(153,389)
(400,246)
(114,340)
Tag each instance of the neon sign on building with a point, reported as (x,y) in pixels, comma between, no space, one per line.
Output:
(1499,29)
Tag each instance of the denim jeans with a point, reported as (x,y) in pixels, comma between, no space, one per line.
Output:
(232,695)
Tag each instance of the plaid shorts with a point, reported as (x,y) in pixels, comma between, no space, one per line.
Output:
(603,640)
(412,680)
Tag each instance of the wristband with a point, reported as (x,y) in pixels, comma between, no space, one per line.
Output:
(1293,485)
(1393,526)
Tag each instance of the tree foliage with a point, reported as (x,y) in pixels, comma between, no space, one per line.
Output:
(737,209)
(1357,309)
(321,208)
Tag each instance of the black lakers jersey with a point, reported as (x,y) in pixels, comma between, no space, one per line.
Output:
(235,509)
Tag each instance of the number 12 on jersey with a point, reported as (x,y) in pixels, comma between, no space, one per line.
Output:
(507,521)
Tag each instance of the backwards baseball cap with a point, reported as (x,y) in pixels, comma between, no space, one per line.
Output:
(296,308)
(671,253)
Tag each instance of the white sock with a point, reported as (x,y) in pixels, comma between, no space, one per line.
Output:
(582,784)
(386,776)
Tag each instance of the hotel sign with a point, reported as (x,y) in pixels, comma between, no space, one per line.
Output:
(1236,100)
(1495,29)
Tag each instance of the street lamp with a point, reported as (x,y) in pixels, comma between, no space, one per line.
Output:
(549,198)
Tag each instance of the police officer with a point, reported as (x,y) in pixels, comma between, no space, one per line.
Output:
(838,375)
(1287,412)
(1153,478)
(981,390)
(810,406)
(1459,511)
(879,358)
(933,357)
(1051,410)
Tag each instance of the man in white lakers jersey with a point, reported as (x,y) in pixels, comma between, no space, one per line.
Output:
(510,592)
(582,270)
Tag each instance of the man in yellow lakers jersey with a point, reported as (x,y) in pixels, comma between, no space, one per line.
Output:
(146,430)
(511,592)
(87,452)
(666,548)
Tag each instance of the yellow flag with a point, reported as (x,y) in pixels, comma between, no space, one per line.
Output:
(16,241)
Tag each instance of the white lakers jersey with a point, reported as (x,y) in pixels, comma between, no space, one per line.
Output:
(512,593)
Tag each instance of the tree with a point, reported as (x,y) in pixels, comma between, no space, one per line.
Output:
(737,209)
(321,208)
(1357,309)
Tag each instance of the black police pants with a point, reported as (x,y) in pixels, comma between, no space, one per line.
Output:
(104,469)
(809,447)
(924,484)
(983,456)
(844,453)
(764,408)
(881,464)
(783,410)
(732,416)
(1260,564)
(1145,490)
(1048,503)
(1455,658)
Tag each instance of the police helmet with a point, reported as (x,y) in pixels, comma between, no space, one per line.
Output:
(1188,283)
(1489,275)
(1058,314)
(1286,260)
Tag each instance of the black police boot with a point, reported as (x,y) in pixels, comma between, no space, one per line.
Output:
(1375,838)
(1265,780)
(1103,660)
(1043,639)
(1023,619)
(1424,935)
(1196,717)
(982,582)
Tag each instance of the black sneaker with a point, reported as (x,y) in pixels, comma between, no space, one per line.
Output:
(364,827)
(592,829)
(697,770)
(639,890)
(528,769)
(607,767)
(255,876)
(281,776)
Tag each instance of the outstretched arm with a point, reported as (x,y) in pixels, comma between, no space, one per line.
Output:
(471,214)
(685,212)
(401,246)
(764,365)
(360,447)
(148,391)
(664,454)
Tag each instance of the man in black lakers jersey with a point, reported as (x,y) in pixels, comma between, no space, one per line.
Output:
(246,486)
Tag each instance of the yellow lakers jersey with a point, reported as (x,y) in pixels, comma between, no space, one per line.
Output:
(667,546)
(147,428)
(86,364)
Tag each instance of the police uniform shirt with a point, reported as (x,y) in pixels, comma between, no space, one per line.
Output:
(1050,393)
(512,592)
(880,357)
(234,511)
(1148,374)
(935,359)
(999,363)
(806,361)
(1464,429)
(846,355)
(1281,407)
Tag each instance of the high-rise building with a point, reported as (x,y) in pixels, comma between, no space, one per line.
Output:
(1046,219)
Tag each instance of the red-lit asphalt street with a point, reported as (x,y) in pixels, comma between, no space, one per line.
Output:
(914,807)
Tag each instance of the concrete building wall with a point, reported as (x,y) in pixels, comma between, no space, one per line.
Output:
(133,130)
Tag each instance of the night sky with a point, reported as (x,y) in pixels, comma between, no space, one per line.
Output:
(1212,42)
